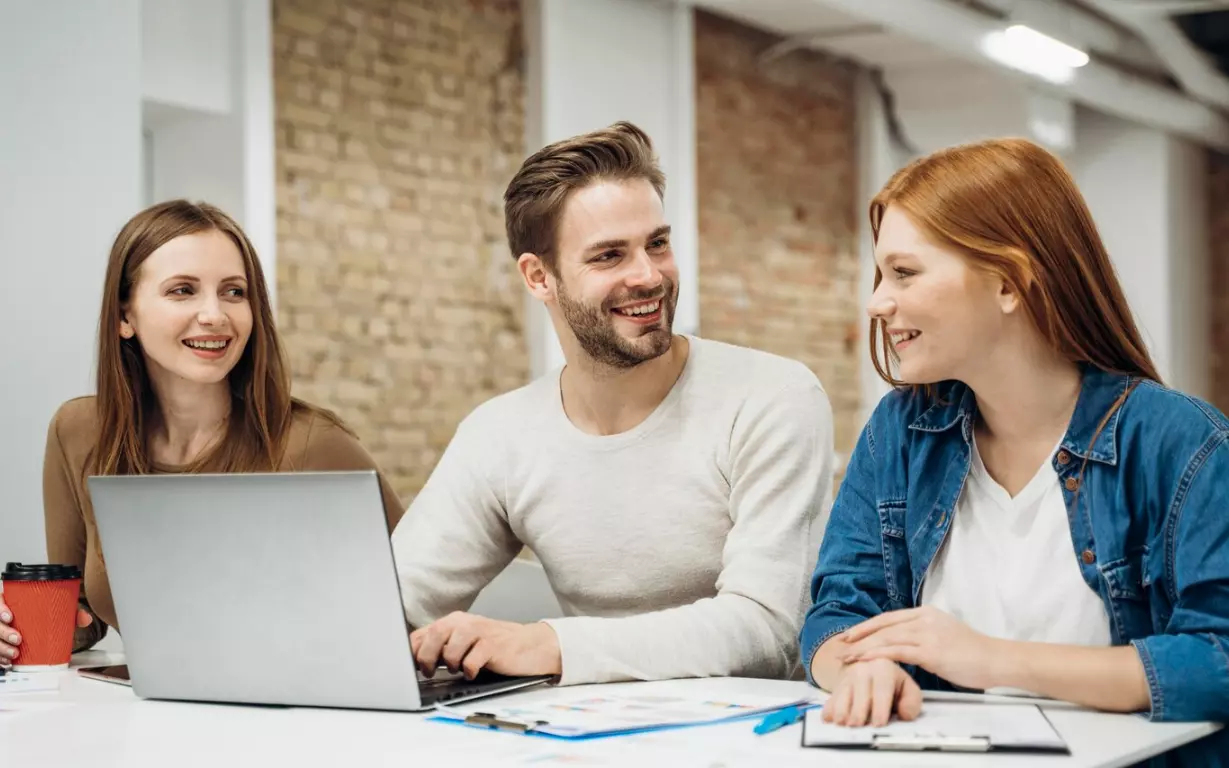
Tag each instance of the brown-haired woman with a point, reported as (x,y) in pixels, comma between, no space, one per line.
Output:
(1030,510)
(191,378)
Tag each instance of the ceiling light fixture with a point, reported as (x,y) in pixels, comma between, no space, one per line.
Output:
(1024,48)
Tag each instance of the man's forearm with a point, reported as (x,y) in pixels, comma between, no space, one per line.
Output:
(1110,679)
(727,636)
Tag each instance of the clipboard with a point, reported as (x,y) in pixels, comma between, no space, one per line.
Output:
(945,727)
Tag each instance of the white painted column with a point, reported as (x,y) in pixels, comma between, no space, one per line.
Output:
(1145,190)
(253,77)
(70,174)
(878,159)
(592,63)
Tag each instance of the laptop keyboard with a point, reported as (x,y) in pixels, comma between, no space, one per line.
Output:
(445,686)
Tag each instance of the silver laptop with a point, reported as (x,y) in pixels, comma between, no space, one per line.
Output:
(265,589)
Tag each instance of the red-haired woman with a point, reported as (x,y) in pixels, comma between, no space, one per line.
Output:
(1030,510)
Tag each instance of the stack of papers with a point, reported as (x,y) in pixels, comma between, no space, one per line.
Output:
(572,716)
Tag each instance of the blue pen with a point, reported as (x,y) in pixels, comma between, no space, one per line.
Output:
(780,719)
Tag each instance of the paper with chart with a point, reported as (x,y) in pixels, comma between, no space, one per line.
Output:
(1018,726)
(572,715)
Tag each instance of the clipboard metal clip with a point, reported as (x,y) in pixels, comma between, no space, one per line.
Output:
(916,742)
(486,720)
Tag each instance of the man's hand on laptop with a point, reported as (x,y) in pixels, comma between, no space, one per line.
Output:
(468,643)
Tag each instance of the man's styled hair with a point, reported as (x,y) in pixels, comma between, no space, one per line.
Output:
(534,199)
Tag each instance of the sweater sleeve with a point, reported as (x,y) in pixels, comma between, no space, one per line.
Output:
(780,475)
(455,537)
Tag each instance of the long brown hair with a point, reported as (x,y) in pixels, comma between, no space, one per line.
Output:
(261,408)
(1012,209)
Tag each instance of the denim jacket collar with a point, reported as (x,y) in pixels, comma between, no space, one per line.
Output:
(1097,395)
(957,404)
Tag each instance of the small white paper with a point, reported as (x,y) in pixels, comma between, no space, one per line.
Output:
(22,682)
(1020,726)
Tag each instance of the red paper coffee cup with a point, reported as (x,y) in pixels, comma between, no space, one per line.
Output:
(43,601)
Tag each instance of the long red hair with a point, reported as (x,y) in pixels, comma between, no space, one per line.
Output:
(1012,209)
(262,407)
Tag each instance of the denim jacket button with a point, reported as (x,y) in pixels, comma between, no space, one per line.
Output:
(1064,458)
(1088,557)
(1072,483)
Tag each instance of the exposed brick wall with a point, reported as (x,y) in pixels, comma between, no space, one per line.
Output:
(399,122)
(777,181)
(1218,233)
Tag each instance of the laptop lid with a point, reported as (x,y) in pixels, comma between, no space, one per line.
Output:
(257,588)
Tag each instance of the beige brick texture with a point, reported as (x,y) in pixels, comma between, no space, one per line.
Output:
(399,122)
(1218,234)
(777,181)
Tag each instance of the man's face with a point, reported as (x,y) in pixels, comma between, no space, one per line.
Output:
(617,283)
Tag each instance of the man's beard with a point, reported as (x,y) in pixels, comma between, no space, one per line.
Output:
(594,326)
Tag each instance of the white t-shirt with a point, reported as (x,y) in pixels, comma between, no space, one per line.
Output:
(1008,567)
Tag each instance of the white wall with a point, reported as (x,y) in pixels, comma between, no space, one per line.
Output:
(70,174)
(953,104)
(1146,192)
(186,49)
(594,62)
(1121,168)
(197,156)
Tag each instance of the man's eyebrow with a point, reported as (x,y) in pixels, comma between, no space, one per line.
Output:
(619,243)
(604,244)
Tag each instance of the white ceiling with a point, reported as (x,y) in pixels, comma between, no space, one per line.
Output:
(1138,72)
(824,27)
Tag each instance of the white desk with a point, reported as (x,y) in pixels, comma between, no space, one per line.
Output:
(102,724)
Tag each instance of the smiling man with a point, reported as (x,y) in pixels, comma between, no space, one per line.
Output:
(675,489)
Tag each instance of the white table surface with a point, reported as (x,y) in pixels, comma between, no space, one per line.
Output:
(87,722)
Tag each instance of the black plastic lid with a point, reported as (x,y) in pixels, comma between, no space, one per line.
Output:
(19,572)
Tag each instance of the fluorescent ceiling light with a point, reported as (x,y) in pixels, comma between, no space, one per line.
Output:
(1028,50)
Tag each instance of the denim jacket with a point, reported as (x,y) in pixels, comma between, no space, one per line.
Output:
(1150,527)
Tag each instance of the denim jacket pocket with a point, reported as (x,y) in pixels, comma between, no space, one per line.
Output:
(895,550)
(1130,606)
(1125,577)
(1154,581)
